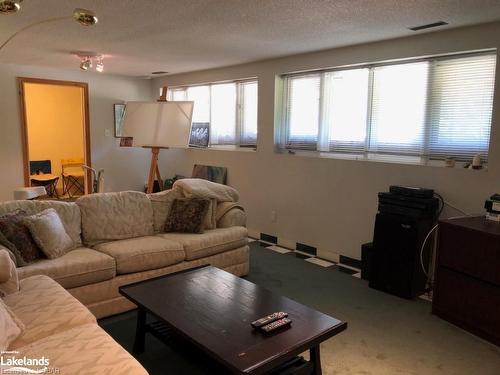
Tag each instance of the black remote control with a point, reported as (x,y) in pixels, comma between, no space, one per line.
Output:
(276,325)
(269,319)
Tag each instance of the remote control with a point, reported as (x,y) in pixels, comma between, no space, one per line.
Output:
(269,319)
(275,325)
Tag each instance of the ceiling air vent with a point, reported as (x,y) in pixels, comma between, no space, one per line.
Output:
(428,26)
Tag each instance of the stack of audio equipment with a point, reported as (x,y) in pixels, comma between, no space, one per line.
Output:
(405,217)
(492,206)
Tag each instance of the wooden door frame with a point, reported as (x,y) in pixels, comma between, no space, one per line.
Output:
(24,126)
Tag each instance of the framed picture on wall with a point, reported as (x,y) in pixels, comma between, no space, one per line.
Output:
(200,134)
(119,114)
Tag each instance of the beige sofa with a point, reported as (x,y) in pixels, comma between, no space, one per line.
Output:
(118,240)
(59,328)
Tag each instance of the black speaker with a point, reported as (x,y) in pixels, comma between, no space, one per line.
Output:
(366,260)
(395,263)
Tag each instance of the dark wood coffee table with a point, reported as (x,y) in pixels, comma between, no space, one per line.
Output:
(213,309)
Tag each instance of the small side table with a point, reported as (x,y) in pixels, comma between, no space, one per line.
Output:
(29,192)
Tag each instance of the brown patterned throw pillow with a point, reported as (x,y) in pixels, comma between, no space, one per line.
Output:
(187,215)
(12,227)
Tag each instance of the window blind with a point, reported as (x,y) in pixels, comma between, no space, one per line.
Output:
(461,106)
(248,113)
(303,112)
(345,110)
(223,114)
(229,108)
(399,94)
(428,108)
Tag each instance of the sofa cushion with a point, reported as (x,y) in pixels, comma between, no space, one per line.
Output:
(143,253)
(161,203)
(85,349)
(115,216)
(67,211)
(49,234)
(9,279)
(11,327)
(210,242)
(78,267)
(187,215)
(18,235)
(45,308)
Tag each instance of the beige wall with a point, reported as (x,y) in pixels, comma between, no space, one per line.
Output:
(55,123)
(331,203)
(125,168)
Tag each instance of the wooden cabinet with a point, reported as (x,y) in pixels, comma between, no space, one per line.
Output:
(467,284)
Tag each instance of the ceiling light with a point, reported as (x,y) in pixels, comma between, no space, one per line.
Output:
(10,6)
(99,66)
(86,63)
(85,17)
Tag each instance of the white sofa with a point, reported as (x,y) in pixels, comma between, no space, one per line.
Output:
(59,328)
(118,240)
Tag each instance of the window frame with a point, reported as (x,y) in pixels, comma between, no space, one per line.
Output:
(283,138)
(239,137)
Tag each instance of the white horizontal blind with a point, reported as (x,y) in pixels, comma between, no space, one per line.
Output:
(461,105)
(200,95)
(229,108)
(302,111)
(223,114)
(345,109)
(248,113)
(431,108)
(399,96)
(177,95)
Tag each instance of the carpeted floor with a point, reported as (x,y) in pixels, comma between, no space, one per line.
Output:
(386,335)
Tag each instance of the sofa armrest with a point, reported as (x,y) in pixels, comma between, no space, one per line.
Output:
(233,217)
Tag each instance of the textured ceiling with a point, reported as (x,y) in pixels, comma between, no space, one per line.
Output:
(142,36)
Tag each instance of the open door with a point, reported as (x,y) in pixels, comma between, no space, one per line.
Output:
(56,138)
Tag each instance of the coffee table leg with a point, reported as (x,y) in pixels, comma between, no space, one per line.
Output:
(316,360)
(140,332)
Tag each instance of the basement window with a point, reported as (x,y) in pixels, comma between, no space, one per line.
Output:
(431,108)
(230,109)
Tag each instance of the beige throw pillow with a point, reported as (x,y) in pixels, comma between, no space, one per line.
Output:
(49,234)
(162,203)
(9,280)
(10,327)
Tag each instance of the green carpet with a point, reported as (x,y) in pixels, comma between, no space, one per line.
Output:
(386,334)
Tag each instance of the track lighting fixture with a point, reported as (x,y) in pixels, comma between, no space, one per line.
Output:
(99,66)
(87,62)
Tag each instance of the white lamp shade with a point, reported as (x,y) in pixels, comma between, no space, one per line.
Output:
(158,124)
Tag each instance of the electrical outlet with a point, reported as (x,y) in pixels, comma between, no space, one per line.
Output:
(107,132)
(274,216)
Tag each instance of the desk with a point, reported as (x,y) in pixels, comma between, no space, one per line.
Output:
(467,287)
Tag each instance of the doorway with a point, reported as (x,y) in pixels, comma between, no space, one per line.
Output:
(56,137)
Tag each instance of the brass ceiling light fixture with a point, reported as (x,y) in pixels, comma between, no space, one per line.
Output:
(85,17)
(10,6)
(82,16)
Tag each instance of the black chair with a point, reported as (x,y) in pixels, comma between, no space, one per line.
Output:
(41,175)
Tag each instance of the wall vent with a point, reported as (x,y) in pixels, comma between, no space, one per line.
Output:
(428,26)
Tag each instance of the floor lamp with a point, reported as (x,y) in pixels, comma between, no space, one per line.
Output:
(157,125)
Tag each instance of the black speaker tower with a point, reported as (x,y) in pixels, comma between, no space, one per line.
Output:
(401,225)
